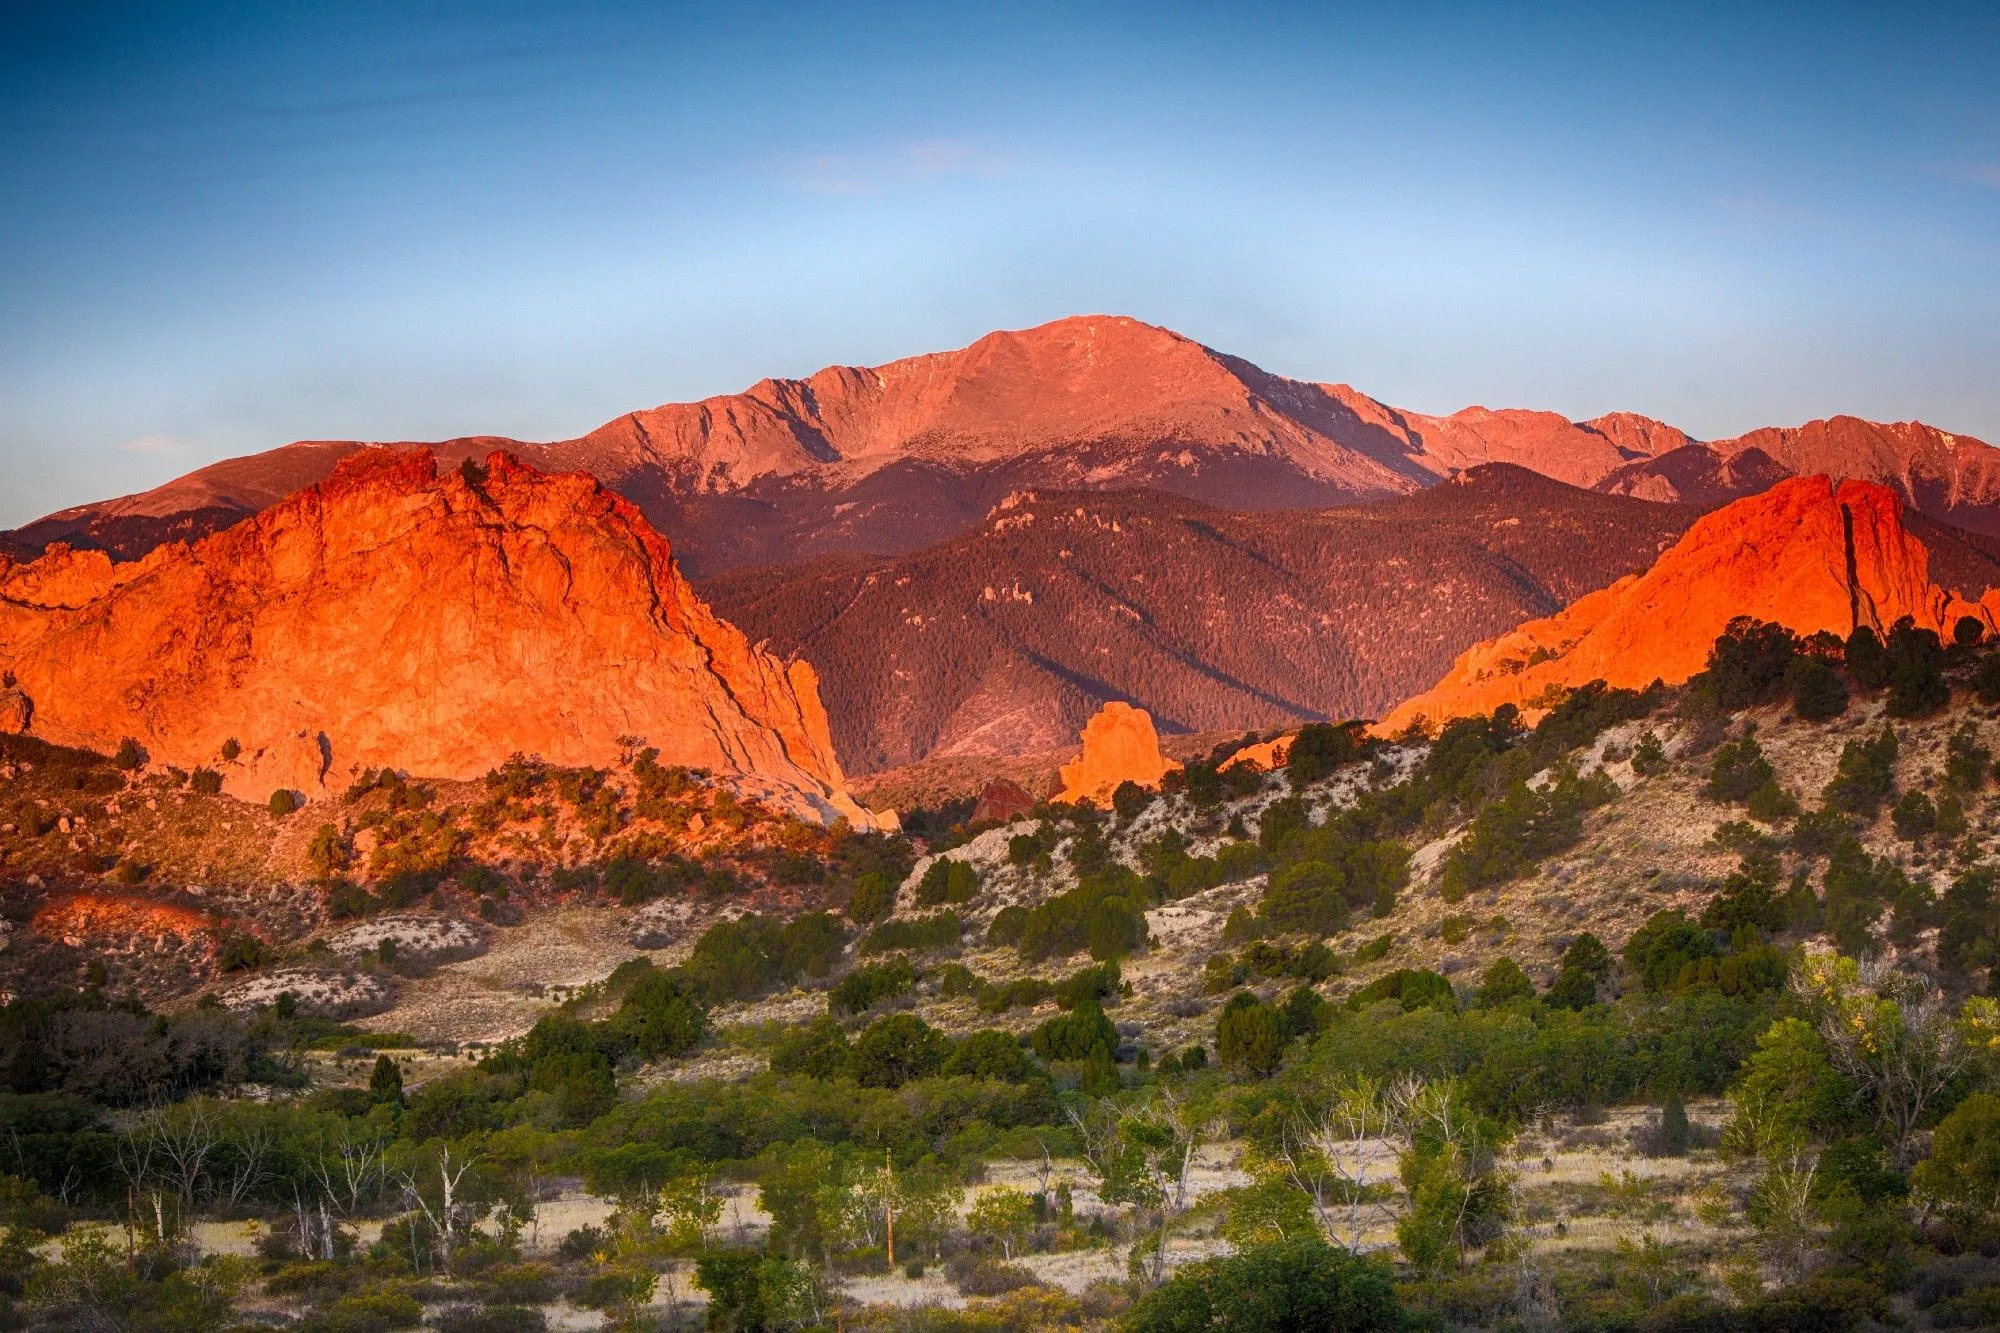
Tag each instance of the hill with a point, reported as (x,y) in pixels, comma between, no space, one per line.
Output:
(1003,641)
(892,458)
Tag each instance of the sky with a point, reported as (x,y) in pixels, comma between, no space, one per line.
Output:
(228,227)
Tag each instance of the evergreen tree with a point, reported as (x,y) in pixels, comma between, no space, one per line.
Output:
(385,1084)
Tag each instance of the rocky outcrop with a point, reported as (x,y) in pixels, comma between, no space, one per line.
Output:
(1810,553)
(1002,800)
(1264,756)
(1119,746)
(17,712)
(395,617)
(1951,477)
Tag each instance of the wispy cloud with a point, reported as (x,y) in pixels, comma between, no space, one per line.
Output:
(901,164)
(156,445)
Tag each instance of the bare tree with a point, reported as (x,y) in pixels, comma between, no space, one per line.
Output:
(347,1169)
(1144,1157)
(185,1137)
(443,1219)
(246,1163)
(1334,1153)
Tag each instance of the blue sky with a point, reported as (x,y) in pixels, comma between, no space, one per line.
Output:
(230,227)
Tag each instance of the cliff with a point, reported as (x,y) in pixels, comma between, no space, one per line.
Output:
(395,617)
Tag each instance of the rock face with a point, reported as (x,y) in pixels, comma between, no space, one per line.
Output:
(1263,756)
(1119,746)
(394,617)
(1810,553)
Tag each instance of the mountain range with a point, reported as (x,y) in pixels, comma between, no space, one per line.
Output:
(889,459)
(977,549)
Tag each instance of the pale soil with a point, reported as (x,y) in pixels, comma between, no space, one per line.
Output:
(525,972)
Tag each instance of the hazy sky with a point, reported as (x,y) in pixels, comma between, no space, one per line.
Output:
(227,227)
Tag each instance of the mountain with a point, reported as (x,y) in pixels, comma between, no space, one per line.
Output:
(890,459)
(1811,553)
(1950,477)
(893,458)
(395,616)
(1005,640)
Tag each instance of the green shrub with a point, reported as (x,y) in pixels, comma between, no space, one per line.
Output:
(1739,770)
(1412,987)
(1866,776)
(1249,1036)
(1522,828)
(867,986)
(895,1050)
(1322,747)
(1867,662)
(1306,897)
(1986,679)
(1076,1035)
(1913,816)
(1748,663)
(1006,927)
(873,899)
(1504,983)
(283,802)
(818,1049)
(917,934)
(1817,691)
(1295,1284)
(1917,686)
(947,881)
(206,781)
(990,1054)
(1772,804)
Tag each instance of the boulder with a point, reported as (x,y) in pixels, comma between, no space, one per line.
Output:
(1002,800)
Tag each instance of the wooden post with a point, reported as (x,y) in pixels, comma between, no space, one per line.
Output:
(889,1205)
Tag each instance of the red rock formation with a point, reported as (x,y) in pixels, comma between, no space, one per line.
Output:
(1002,800)
(1809,553)
(1119,746)
(1263,757)
(17,712)
(1951,477)
(394,617)
(118,917)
